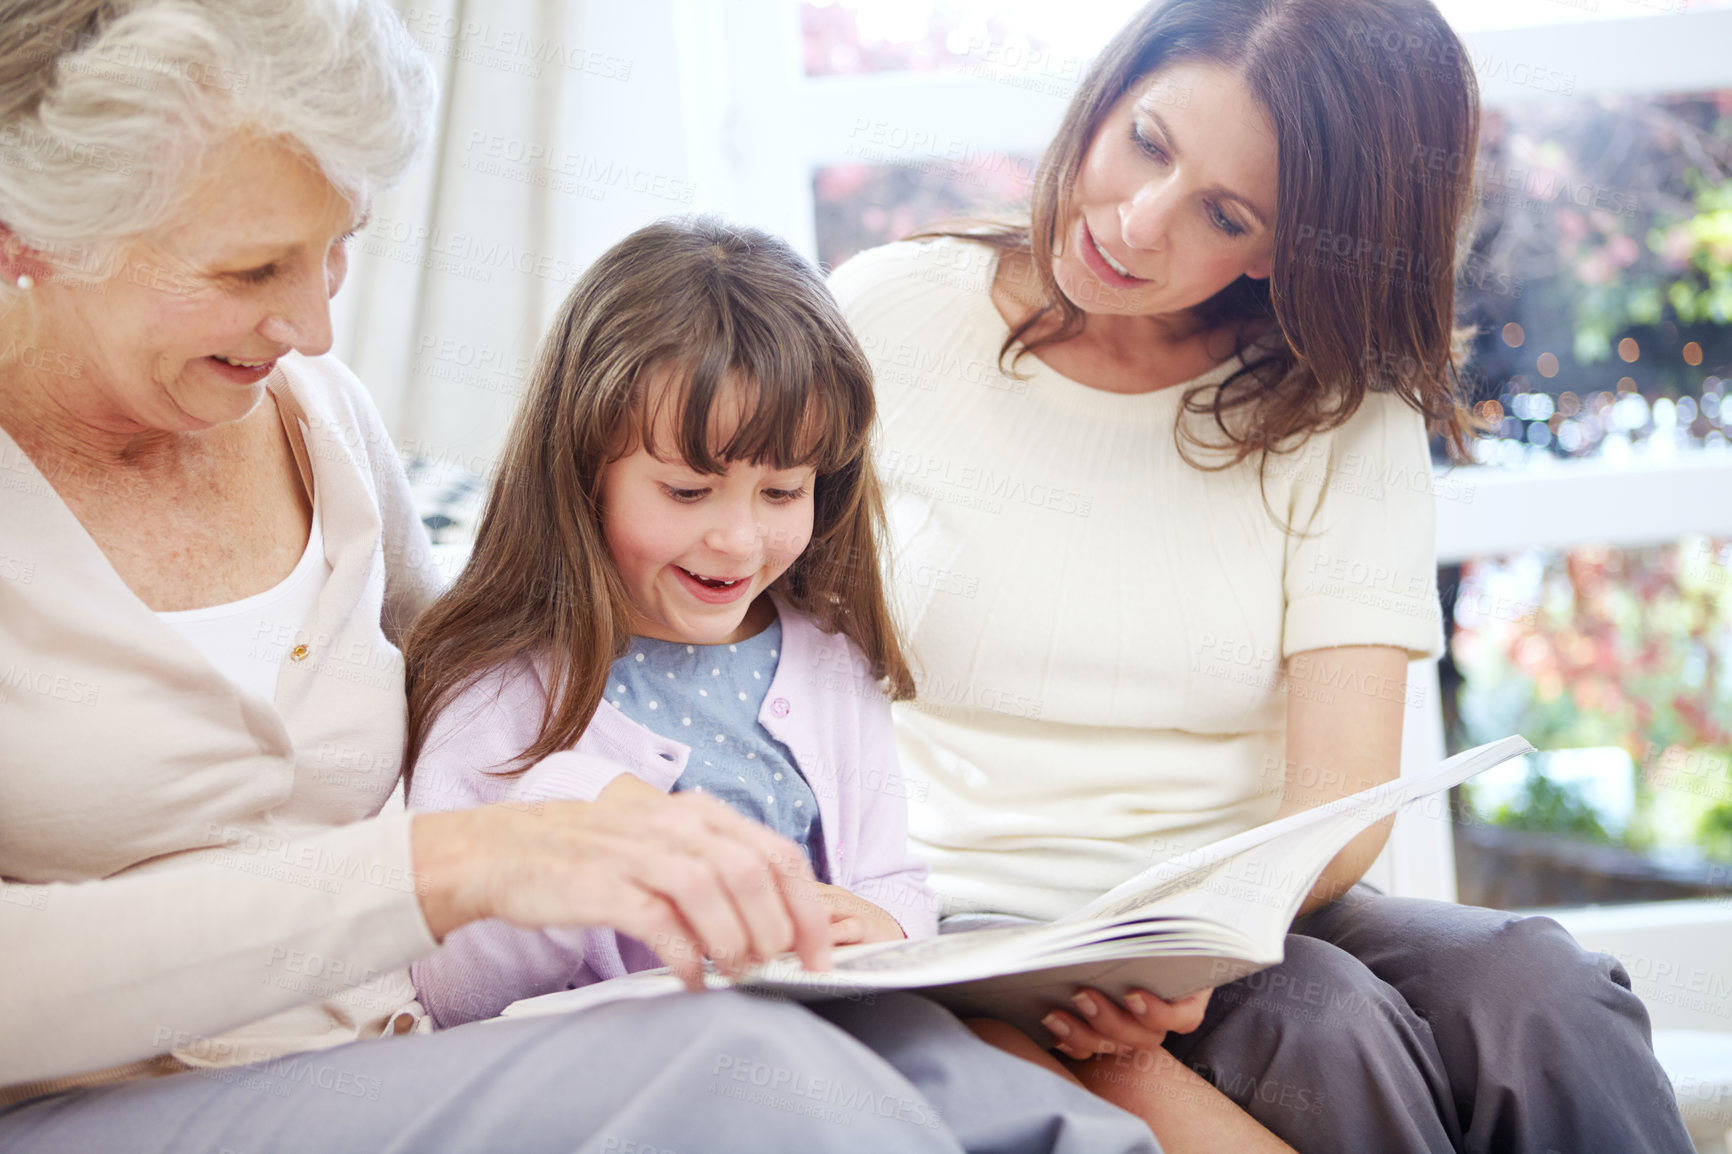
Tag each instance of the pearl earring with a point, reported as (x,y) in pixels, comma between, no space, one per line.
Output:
(26,282)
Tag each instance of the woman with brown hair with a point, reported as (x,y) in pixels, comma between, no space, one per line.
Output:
(1159,491)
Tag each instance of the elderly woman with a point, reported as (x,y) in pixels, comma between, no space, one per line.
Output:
(1158,482)
(206,921)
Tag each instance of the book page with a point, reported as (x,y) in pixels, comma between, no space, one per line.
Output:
(1292,849)
(921,953)
(1228,903)
(1259,892)
(643,984)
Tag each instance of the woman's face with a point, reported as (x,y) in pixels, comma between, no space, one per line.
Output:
(1175,199)
(184,332)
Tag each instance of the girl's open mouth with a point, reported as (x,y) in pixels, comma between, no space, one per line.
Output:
(715,590)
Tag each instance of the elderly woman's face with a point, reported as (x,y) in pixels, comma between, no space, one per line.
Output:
(1175,199)
(185,332)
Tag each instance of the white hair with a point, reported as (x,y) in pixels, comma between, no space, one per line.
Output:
(106,106)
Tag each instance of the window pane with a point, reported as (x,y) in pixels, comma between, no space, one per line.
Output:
(860,206)
(1600,280)
(1617,665)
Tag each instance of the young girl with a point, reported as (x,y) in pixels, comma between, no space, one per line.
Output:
(676,578)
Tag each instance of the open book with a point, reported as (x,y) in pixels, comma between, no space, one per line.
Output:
(1199,920)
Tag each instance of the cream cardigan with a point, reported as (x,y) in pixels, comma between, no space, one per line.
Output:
(195,875)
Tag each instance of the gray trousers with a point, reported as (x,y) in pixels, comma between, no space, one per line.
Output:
(693,1074)
(1397,1024)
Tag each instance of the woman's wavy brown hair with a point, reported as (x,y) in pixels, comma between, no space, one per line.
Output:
(1373,103)
(726,308)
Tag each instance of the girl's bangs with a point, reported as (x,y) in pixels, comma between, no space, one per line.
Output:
(764,410)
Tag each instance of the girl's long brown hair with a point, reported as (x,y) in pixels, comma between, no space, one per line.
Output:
(725,308)
(1374,104)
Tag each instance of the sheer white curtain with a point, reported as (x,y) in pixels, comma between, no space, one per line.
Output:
(562,125)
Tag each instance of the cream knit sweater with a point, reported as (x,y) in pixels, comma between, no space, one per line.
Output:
(1099,627)
(188,868)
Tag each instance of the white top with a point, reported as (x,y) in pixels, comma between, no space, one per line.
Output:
(1099,627)
(190,868)
(245,639)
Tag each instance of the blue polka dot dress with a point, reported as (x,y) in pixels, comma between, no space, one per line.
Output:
(707,697)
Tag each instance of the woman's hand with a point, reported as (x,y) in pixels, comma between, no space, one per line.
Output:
(853,919)
(684,874)
(1104,1027)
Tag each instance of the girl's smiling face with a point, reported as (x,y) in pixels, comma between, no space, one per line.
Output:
(696,550)
(1175,199)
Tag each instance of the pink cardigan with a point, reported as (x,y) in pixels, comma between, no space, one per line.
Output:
(822,705)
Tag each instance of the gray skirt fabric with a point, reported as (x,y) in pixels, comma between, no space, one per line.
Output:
(688,1074)
(1393,1025)
(1399,1024)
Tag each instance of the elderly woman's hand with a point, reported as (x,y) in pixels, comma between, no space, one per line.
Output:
(682,873)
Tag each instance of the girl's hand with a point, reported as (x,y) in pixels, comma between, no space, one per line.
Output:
(684,874)
(1101,1026)
(853,919)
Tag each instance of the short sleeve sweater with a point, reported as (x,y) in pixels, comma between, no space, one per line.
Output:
(1099,627)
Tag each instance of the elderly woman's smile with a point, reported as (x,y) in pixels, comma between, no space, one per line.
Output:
(186,333)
